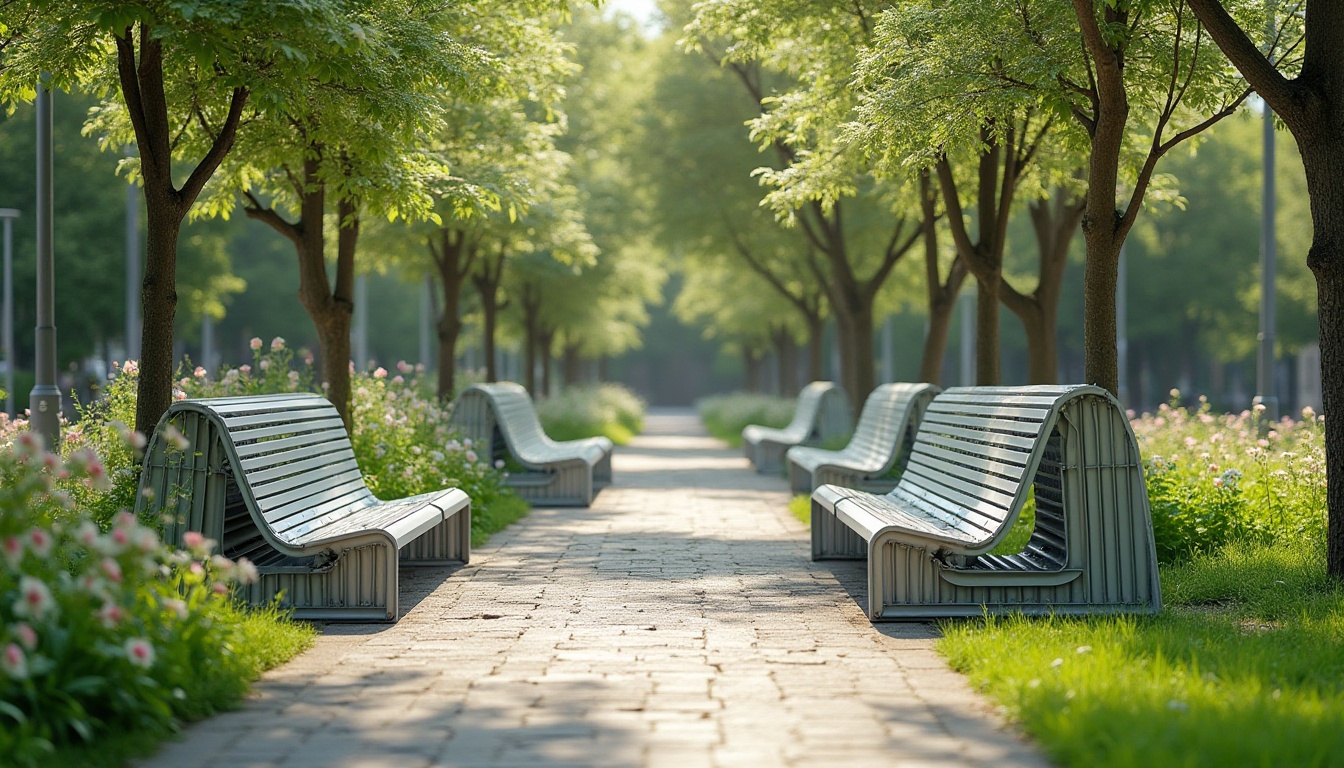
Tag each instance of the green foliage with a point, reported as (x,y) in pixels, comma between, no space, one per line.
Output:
(588,411)
(801,508)
(106,631)
(725,416)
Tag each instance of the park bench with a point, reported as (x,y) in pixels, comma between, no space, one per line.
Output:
(980,453)
(877,451)
(273,478)
(502,424)
(821,414)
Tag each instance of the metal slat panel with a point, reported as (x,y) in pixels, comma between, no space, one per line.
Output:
(326,457)
(257,441)
(931,427)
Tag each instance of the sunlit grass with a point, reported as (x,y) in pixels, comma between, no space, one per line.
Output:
(1244,667)
(725,416)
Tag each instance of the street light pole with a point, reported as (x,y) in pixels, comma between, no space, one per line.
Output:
(44,402)
(7,311)
(132,268)
(1264,368)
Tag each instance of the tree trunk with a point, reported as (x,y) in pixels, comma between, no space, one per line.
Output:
(547,339)
(158,297)
(1324,161)
(1054,226)
(942,296)
(531,298)
(751,365)
(140,75)
(815,328)
(453,260)
(987,329)
(572,364)
(487,281)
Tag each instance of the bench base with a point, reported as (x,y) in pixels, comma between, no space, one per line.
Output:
(360,583)
(908,582)
(574,484)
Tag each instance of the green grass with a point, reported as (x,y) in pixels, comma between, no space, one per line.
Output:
(266,638)
(506,509)
(725,416)
(1244,667)
(800,506)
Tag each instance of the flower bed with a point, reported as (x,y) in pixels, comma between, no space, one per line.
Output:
(589,411)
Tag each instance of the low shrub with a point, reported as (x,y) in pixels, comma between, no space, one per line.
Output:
(589,411)
(725,416)
(104,631)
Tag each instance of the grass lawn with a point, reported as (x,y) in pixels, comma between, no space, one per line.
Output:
(1243,667)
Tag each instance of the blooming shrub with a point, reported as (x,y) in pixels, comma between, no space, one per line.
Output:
(588,411)
(1214,478)
(725,416)
(101,631)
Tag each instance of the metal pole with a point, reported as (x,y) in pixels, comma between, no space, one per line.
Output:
(426,322)
(208,343)
(44,402)
(1264,369)
(1122,327)
(132,268)
(361,322)
(7,311)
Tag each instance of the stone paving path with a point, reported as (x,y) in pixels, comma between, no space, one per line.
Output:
(677,622)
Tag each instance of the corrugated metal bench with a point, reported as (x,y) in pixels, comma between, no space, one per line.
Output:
(274,478)
(882,440)
(979,454)
(821,413)
(502,423)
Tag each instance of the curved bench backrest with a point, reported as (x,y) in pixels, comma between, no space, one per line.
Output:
(483,410)
(891,411)
(290,456)
(822,410)
(977,454)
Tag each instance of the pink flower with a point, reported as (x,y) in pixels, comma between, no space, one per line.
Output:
(264,364)
(246,369)
(277,344)
(380,373)
(13,550)
(111,569)
(139,652)
(419,367)
(14,661)
(40,541)
(199,372)
(193,539)
(404,367)
(27,635)
(178,607)
(255,344)
(110,615)
(175,438)
(120,539)
(246,571)
(131,368)
(35,599)
(220,588)
(398,380)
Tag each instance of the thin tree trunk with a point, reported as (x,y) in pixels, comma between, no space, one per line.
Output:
(531,298)
(572,364)
(487,281)
(547,338)
(815,328)
(751,364)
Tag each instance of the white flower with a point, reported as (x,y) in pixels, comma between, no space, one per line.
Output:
(199,372)
(277,344)
(35,599)
(40,541)
(255,343)
(139,652)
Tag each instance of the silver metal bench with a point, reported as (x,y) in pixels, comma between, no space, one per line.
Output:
(881,443)
(979,454)
(274,478)
(822,413)
(502,423)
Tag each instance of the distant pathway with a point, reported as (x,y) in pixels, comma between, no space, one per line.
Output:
(676,622)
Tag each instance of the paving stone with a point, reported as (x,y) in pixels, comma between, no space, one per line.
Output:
(679,621)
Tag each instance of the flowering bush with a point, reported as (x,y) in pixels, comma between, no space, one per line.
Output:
(604,409)
(1218,478)
(101,631)
(725,416)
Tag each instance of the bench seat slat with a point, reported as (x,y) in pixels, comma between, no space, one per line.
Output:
(268,466)
(929,440)
(257,441)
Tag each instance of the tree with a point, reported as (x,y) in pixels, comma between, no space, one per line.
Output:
(352,131)
(184,75)
(860,224)
(1310,101)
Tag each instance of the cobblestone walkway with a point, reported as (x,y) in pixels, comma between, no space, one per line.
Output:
(677,622)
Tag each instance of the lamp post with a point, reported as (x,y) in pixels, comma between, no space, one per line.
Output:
(132,268)
(1264,368)
(7,310)
(44,402)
